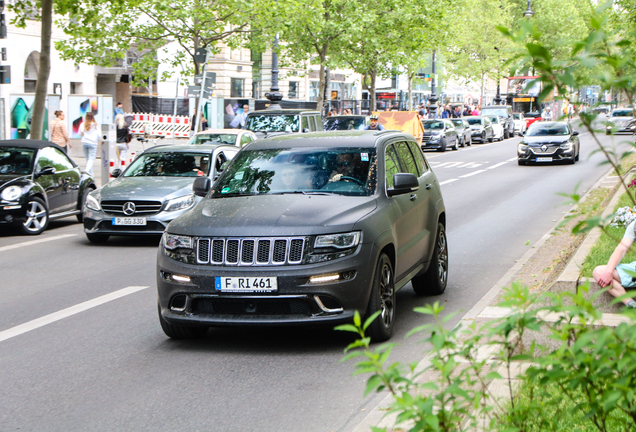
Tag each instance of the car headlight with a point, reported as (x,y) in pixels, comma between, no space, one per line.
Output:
(172,242)
(180,203)
(522,147)
(338,241)
(566,145)
(92,203)
(12,193)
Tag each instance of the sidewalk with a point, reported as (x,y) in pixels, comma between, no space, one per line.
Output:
(135,148)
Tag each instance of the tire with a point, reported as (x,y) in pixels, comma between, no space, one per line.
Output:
(434,281)
(520,162)
(443,146)
(456,146)
(470,141)
(483,137)
(383,300)
(80,217)
(97,238)
(507,134)
(578,153)
(180,332)
(37,217)
(463,142)
(492,138)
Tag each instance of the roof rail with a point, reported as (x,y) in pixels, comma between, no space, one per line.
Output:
(386,131)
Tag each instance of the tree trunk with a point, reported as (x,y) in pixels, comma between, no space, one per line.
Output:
(321,89)
(481,99)
(39,105)
(409,105)
(372,101)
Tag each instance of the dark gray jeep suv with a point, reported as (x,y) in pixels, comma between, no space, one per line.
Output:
(305,229)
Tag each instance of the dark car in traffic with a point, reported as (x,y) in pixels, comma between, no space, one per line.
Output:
(547,142)
(481,129)
(154,189)
(463,131)
(439,134)
(39,182)
(345,122)
(306,230)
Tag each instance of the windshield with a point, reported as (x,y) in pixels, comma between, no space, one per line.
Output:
(494,119)
(342,171)
(433,124)
(474,121)
(538,129)
(170,164)
(273,123)
(623,113)
(516,116)
(503,112)
(15,160)
(458,123)
(335,123)
(221,138)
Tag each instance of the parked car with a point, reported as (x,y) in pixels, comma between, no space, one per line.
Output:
(439,134)
(236,137)
(306,229)
(498,125)
(620,121)
(505,112)
(345,122)
(463,131)
(481,129)
(270,122)
(39,182)
(153,190)
(520,123)
(547,142)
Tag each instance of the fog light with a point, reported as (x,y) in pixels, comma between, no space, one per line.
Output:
(180,278)
(324,278)
(8,218)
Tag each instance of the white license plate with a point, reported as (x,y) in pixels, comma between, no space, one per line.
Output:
(544,159)
(129,221)
(246,284)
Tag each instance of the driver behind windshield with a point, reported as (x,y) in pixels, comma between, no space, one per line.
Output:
(344,167)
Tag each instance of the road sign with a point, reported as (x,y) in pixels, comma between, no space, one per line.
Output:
(194,91)
(210,77)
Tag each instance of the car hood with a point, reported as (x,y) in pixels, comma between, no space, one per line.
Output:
(539,140)
(7,179)
(147,188)
(273,215)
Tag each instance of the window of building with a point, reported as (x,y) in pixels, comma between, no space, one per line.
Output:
(29,86)
(313,91)
(293,90)
(237,87)
(76,88)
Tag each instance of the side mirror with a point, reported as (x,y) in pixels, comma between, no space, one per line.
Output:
(45,171)
(201,186)
(116,173)
(575,133)
(403,183)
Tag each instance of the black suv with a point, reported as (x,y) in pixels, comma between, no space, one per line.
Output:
(305,230)
(505,112)
(270,121)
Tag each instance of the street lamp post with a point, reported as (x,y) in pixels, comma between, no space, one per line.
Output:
(528,13)
(432,107)
(274,95)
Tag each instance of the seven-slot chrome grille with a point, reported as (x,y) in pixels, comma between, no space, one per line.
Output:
(250,251)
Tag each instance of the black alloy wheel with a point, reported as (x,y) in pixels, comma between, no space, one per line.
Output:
(37,217)
(383,300)
(80,217)
(181,332)
(434,281)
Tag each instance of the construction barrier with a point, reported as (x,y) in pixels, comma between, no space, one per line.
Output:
(160,125)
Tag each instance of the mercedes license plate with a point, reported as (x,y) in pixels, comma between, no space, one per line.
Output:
(544,159)
(129,221)
(246,284)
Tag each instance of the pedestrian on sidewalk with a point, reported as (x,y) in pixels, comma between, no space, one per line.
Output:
(123,138)
(614,275)
(90,137)
(59,134)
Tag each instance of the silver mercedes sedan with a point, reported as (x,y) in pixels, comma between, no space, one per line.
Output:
(153,190)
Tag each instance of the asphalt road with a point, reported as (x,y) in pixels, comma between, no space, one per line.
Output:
(81,348)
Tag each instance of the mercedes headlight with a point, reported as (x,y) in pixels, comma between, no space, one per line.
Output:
(92,203)
(12,193)
(180,203)
(338,241)
(172,242)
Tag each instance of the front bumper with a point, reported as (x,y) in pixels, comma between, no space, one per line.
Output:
(296,302)
(98,222)
(12,212)
(551,155)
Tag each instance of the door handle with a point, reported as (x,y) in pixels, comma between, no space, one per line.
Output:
(413,197)
(428,186)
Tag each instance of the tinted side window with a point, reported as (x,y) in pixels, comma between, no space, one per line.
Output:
(319,125)
(305,123)
(312,124)
(391,164)
(420,161)
(245,139)
(52,157)
(406,159)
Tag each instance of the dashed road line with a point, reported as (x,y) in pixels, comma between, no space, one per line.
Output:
(497,165)
(34,242)
(448,181)
(65,313)
(472,173)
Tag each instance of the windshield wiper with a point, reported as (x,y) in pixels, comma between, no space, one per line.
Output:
(232,194)
(303,192)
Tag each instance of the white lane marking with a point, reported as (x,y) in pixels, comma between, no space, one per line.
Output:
(512,159)
(65,313)
(33,242)
(472,173)
(497,165)
(447,181)
(470,165)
